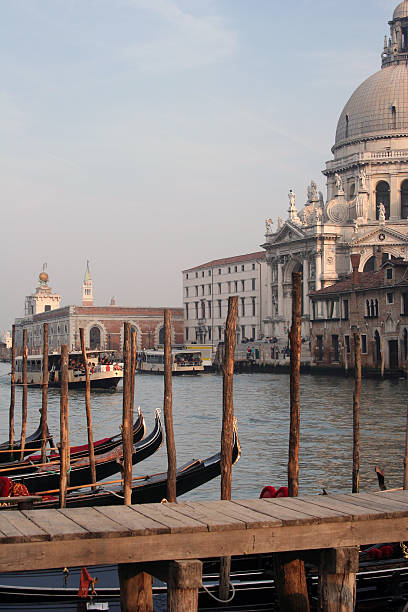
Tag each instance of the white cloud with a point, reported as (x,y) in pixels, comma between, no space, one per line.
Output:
(189,41)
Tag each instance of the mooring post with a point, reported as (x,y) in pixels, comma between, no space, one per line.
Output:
(127,436)
(136,593)
(337,584)
(405,484)
(24,396)
(88,407)
(64,427)
(44,403)
(227,433)
(289,569)
(171,493)
(184,580)
(356,413)
(132,371)
(12,387)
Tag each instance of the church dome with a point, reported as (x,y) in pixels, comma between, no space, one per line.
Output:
(379,107)
(401,11)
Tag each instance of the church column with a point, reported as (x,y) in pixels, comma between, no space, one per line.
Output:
(306,309)
(280,288)
(269,305)
(318,270)
(395,198)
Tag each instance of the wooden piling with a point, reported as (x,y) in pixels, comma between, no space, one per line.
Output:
(88,407)
(171,493)
(295,339)
(405,484)
(64,427)
(12,387)
(289,569)
(136,593)
(227,433)
(127,424)
(356,413)
(337,579)
(133,370)
(24,396)
(44,405)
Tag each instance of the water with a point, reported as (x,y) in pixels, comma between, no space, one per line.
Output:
(262,409)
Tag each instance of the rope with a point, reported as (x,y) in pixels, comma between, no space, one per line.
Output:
(226,600)
(114,493)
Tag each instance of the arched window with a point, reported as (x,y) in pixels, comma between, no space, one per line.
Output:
(383,197)
(376,308)
(404,200)
(377,346)
(367,308)
(95,338)
(394,118)
(347,126)
(161,335)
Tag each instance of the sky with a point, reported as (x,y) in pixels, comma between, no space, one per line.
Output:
(151,136)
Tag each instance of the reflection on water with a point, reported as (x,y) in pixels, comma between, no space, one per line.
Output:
(262,410)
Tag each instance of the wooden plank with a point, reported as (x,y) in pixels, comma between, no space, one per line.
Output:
(56,525)
(250,518)
(95,522)
(378,500)
(320,513)
(42,555)
(214,520)
(351,511)
(387,507)
(401,496)
(286,515)
(136,523)
(177,523)
(17,528)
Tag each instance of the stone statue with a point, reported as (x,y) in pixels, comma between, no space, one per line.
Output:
(268,225)
(363,179)
(381,213)
(339,183)
(292,198)
(355,226)
(321,200)
(280,223)
(312,192)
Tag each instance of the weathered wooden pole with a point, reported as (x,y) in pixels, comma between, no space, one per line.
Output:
(289,569)
(64,427)
(12,387)
(356,413)
(171,493)
(337,579)
(24,396)
(126,417)
(405,484)
(227,433)
(295,339)
(133,369)
(88,406)
(44,426)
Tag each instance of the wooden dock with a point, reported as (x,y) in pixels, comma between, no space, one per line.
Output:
(148,538)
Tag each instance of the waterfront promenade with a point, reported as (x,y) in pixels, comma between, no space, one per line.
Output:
(153,536)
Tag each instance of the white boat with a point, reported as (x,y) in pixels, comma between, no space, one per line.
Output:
(183,361)
(105,371)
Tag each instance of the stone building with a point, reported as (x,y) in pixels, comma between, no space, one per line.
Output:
(366,206)
(103,325)
(206,290)
(373,303)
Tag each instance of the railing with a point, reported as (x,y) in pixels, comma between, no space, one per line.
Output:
(366,157)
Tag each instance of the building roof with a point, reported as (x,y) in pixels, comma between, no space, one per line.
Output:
(401,11)
(227,260)
(366,281)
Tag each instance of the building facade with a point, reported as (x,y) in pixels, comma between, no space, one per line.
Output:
(372,303)
(103,325)
(206,290)
(366,206)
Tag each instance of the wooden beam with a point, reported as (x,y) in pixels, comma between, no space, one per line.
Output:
(171,493)
(88,407)
(24,396)
(12,387)
(64,427)
(337,585)
(356,414)
(126,417)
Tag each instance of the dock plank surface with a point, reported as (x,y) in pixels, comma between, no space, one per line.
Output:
(45,539)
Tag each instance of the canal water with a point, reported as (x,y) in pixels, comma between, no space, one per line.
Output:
(262,410)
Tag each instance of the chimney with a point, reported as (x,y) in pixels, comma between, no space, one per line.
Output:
(355,262)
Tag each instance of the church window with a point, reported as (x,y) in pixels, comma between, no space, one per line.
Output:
(394,118)
(383,197)
(405,38)
(347,126)
(47,308)
(352,190)
(404,200)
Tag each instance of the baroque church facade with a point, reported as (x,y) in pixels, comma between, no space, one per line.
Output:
(366,208)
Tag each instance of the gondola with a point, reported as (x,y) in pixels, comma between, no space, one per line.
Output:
(151,488)
(103,446)
(32,442)
(47,477)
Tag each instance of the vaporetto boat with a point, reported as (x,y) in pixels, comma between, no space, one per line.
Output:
(183,361)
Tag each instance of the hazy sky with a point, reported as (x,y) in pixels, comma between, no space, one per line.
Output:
(150,136)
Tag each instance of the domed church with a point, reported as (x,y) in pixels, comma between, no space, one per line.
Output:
(366,209)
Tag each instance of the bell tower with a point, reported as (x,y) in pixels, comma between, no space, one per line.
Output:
(396,47)
(87,290)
